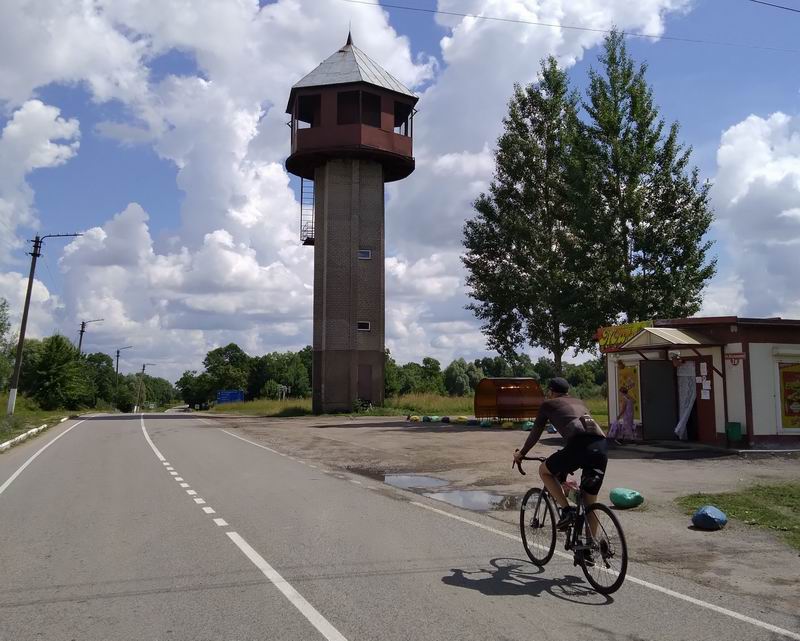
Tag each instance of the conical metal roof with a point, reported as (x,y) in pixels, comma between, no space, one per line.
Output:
(349,64)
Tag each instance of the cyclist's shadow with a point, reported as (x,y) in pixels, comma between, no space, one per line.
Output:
(517,577)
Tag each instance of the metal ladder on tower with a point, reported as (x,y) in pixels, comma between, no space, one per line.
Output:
(306,211)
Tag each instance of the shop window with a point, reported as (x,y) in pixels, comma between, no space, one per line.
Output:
(308,111)
(363,326)
(789,394)
(402,118)
(347,108)
(364,254)
(370,109)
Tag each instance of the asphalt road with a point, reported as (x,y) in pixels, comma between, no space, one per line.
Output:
(166,527)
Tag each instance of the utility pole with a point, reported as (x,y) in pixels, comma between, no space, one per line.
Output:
(141,384)
(82,331)
(37,251)
(116,382)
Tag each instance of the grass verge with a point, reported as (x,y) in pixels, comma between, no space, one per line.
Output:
(420,404)
(772,507)
(26,415)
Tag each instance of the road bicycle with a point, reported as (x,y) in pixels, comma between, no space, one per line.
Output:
(595,536)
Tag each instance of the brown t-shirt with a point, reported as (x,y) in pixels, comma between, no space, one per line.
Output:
(565,413)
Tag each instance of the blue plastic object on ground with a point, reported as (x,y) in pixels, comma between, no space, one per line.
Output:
(527,426)
(551,429)
(709,517)
(486,423)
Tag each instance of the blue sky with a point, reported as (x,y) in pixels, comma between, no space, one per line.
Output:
(173,177)
(706,88)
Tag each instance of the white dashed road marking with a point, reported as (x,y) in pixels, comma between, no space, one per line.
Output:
(184,485)
(295,598)
(191,492)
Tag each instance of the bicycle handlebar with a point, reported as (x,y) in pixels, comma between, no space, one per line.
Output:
(525,458)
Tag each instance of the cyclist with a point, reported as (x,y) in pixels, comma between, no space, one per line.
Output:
(585,448)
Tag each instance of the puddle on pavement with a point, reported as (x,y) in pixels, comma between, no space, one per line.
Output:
(478,500)
(413,481)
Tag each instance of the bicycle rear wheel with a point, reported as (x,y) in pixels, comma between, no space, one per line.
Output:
(609,551)
(537,524)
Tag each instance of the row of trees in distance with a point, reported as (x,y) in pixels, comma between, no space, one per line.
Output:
(230,368)
(55,376)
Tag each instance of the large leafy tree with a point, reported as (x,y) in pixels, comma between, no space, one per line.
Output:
(61,379)
(228,366)
(523,260)
(644,211)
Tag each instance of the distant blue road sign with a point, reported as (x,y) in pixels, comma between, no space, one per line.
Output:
(229,396)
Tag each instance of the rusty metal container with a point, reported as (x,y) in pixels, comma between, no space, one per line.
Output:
(513,399)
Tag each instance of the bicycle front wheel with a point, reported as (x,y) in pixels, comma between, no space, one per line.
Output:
(606,563)
(537,524)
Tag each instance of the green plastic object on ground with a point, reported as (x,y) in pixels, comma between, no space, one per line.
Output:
(527,426)
(625,498)
(486,422)
(434,419)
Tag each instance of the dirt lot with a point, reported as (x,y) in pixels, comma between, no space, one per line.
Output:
(740,559)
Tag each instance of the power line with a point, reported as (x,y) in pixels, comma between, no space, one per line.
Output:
(777,6)
(718,43)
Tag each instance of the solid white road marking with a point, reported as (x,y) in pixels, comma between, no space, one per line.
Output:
(306,609)
(150,442)
(200,501)
(209,510)
(221,522)
(185,485)
(313,466)
(19,471)
(683,597)
(354,481)
(263,447)
(191,492)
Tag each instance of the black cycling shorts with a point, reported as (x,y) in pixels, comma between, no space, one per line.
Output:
(587,452)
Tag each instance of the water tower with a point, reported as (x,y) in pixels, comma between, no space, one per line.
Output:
(352,124)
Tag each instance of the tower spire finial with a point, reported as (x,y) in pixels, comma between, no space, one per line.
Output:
(349,34)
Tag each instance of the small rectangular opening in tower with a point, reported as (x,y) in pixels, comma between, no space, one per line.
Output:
(402,117)
(363,326)
(309,109)
(364,254)
(347,108)
(370,109)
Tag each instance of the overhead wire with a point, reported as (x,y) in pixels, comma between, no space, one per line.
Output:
(776,6)
(553,25)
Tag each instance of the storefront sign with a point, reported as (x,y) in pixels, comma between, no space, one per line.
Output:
(790,394)
(614,337)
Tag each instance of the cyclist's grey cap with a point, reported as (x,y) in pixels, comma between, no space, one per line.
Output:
(559,385)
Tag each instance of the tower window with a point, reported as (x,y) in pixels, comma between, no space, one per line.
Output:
(308,111)
(363,326)
(370,109)
(364,254)
(347,108)
(402,118)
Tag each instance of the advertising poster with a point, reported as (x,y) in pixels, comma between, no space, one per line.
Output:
(790,394)
(628,377)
